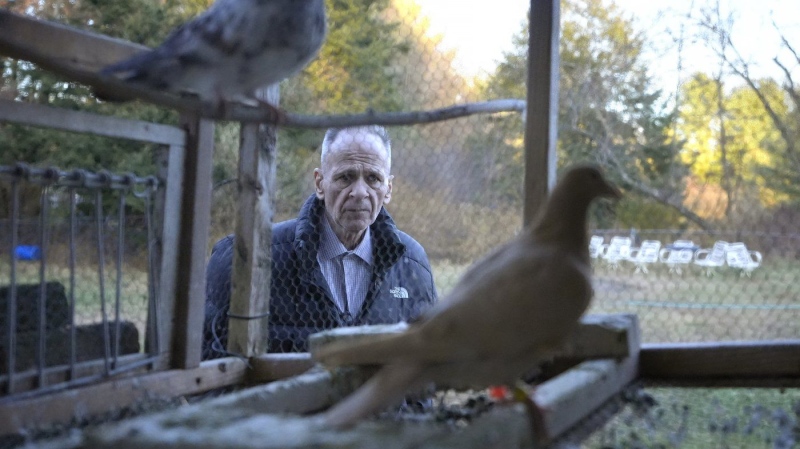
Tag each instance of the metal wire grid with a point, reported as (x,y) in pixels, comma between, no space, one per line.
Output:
(98,187)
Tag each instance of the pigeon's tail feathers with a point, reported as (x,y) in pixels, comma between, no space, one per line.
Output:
(377,351)
(133,70)
(386,387)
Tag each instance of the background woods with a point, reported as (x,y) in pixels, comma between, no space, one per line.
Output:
(717,152)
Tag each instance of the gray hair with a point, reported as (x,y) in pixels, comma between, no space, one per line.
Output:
(376,130)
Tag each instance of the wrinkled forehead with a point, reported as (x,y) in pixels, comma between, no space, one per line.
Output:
(357,147)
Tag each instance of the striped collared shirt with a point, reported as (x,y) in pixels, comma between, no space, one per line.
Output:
(348,273)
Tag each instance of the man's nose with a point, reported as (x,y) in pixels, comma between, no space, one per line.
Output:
(359,188)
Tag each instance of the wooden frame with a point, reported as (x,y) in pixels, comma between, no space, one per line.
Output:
(184,234)
(718,363)
(251,273)
(76,404)
(542,105)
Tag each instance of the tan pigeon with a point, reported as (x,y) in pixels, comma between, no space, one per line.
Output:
(508,312)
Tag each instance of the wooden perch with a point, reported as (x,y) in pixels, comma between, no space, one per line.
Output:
(79,55)
(271,416)
(598,336)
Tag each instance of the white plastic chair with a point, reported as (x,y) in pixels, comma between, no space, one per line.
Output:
(738,256)
(678,254)
(596,246)
(618,249)
(645,254)
(711,259)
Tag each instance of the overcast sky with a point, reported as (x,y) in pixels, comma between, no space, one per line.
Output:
(481,33)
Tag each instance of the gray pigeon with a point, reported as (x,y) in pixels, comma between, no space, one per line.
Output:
(232,49)
(508,312)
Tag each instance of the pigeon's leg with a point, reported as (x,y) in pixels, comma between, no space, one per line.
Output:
(519,393)
(535,412)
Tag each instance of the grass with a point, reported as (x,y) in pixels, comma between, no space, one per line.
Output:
(705,418)
(691,306)
(133,288)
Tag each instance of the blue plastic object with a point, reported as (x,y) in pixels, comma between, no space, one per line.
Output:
(27,252)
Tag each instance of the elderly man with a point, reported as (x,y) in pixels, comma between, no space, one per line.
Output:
(341,262)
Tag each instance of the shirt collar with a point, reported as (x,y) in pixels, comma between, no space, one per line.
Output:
(330,246)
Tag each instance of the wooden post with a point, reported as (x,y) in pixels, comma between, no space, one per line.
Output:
(190,291)
(252,258)
(542,107)
(168,209)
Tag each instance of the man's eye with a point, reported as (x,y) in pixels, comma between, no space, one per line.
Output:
(373,179)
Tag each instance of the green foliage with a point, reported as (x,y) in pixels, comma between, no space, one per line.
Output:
(350,75)
(731,140)
(609,112)
(640,213)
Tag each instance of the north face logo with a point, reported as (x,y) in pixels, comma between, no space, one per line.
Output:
(399,292)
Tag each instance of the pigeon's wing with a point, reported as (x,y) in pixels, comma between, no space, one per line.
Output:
(387,386)
(380,350)
(527,298)
(519,300)
(201,42)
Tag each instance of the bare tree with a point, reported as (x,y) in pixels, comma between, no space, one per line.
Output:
(718,30)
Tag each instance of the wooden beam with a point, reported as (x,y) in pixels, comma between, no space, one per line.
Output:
(542,105)
(575,394)
(43,42)
(80,403)
(78,56)
(193,243)
(720,360)
(271,367)
(597,336)
(274,415)
(171,166)
(252,256)
(28,381)
(85,122)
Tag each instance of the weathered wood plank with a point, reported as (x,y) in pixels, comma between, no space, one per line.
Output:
(190,294)
(39,41)
(598,336)
(28,381)
(168,204)
(85,122)
(78,56)
(270,367)
(697,361)
(542,105)
(573,395)
(79,403)
(269,416)
(252,257)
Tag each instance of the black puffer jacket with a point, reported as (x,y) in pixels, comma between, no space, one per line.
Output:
(301,302)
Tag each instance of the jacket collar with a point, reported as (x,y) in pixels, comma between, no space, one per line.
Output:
(385,238)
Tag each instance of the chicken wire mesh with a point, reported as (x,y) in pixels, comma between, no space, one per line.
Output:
(702,248)
(76,283)
(708,171)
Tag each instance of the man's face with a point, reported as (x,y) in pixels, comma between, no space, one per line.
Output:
(354,181)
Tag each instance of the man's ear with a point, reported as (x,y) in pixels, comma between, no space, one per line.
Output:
(320,192)
(388,196)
